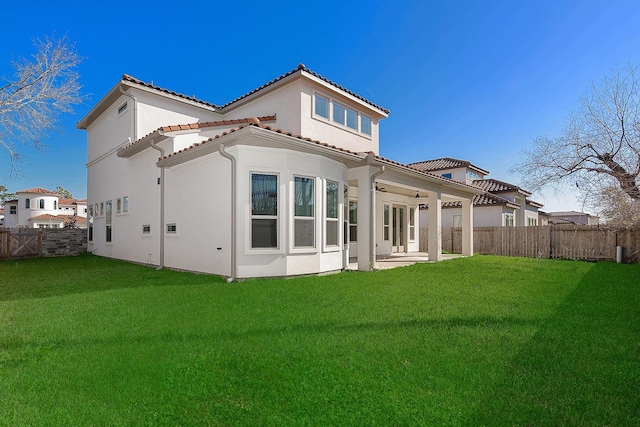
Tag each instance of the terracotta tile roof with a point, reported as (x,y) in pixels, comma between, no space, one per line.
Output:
(299,68)
(203,125)
(62,218)
(131,79)
(486,199)
(359,155)
(495,186)
(446,163)
(38,190)
(67,202)
(269,128)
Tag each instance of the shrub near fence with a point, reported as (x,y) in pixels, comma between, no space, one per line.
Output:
(553,241)
(48,242)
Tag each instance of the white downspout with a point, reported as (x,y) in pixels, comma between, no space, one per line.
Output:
(135,113)
(162,231)
(226,155)
(372,220)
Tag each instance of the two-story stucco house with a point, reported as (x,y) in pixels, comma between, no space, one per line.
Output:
(500,204)
(281,181)
(42,208)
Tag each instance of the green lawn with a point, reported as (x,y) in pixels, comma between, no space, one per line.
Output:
(475,341)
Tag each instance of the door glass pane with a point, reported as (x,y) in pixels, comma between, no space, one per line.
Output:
(401,226)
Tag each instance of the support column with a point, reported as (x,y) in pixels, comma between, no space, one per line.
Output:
(434,246)
(467,227)
(363,175)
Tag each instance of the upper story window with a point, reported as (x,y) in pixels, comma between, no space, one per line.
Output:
(13,210)
(342,115)
(27,203)
(55,204)
(472,175)
(509,220)
(41,202)
(447,175)
(125,204)
(322,106)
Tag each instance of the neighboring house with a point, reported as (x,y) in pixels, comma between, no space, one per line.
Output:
(42,208)
(500,204)
(1,217)
(280,181)
(573,217)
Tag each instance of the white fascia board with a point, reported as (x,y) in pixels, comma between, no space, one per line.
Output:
(453,187)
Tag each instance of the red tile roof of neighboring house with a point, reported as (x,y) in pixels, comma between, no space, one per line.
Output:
(495,186)
(60,218)
(486,199)
(38,190)
(445,163)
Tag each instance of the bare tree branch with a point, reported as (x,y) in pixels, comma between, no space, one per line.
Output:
(599,144)
(42,88)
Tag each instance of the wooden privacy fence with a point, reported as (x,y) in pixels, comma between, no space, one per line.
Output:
(24,243)
(552,241)
(48,242)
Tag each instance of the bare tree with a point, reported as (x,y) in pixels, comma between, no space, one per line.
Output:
(600,145)
(616,207)
(42,87)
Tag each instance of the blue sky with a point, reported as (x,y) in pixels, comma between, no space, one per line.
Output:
(464,79)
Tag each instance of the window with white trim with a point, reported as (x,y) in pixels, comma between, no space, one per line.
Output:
(90,222)
(41,203)
(146,229)
(508,220)
(533,221)
(264,211)
(329,109)
(13,210)
(321,107)
(118,205)
(27,203)
(304,224)
(108,220)
(332,207)
(353,221)
(412,224)
(172,228)
(125,204)
(386,226)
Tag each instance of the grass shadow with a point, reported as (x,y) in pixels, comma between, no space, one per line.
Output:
(47,277)
(583,365)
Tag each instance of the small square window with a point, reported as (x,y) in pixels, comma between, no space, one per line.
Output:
(146,229)
(172,228)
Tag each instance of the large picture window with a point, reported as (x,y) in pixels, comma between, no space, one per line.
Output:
(304,213)
(333,205)
(264,211)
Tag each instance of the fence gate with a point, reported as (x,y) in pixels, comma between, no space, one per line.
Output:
(20,244)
